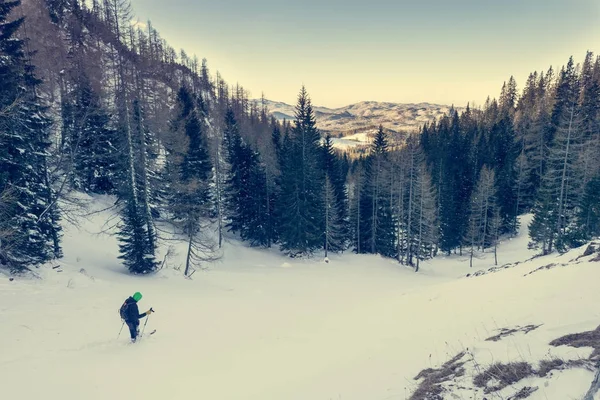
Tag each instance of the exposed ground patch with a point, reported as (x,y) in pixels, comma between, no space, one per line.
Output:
(523,393)
(504,332)
(431,387)
(557,364)
(498,376)
(551,266)
(492,270)
(583,339)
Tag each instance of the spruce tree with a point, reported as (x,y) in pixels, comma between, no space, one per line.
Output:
(356,184)
(455,182)
(588,216)
(90,141)
(482,210)
(428,228)
(413,203)
(554,212)
(301,203)
(417,206)
(376,213)
(144,170)
(189,175)
(335,227)
(247,202)
(137,243)
(189,159)
(504,156)
(336,205)
(236,186)
(30,223)
(590,116)
(538,137)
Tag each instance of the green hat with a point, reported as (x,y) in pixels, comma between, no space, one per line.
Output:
(137,296)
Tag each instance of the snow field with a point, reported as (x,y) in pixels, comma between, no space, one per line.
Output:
(258,325)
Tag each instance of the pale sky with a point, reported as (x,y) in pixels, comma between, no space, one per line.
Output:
(346,51)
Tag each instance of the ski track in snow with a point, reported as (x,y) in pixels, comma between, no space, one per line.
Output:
(258,325)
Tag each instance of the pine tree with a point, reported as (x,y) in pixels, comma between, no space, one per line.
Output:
(221,171)
(415,208)
(399,204)
(455,182)
(482,210)
(504,155)
(376,213)
(136,251)
(137,244)
(277,139)
(189,175)
(537,136)
(31,217)
(590,116)
(554,212)
(588,216)
(335,228)
(90,141)
(336,206)
(258,231)
(188,156)
(236,185)
(418,209)
(57,9)
(356,184)
(413,204)
(523,189)
(301,203)
(428,219)
(523,126)
(143,172)
(248,206)
(495,224)
(588,212)
(245,183)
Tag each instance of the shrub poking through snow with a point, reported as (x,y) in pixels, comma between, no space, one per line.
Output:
(546,366)
(523,393)
(508,332)
(583,339)
(431,386)
(556,364)
(498,376)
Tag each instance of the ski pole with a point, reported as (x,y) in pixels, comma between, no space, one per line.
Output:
(122,325)
(144,328)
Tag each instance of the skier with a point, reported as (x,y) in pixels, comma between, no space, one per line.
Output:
(130,313)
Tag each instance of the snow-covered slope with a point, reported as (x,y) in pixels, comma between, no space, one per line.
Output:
(365,117)
(257,325)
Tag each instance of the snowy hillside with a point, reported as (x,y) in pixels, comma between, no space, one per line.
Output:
(365,117)
(258,325)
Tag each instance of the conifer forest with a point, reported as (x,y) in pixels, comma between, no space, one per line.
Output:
(91,103)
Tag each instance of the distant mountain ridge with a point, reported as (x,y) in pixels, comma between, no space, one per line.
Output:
(366,116)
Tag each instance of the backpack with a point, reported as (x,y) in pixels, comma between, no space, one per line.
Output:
(123,310)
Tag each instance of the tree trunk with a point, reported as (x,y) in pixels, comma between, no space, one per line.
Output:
(496,253)
(594,388)
(358,190)
(409,253)
(471,258)
(189,252)
(144,178)
(561,198)
(218,190)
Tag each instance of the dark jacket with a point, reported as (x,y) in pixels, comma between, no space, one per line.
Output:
(133,312)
